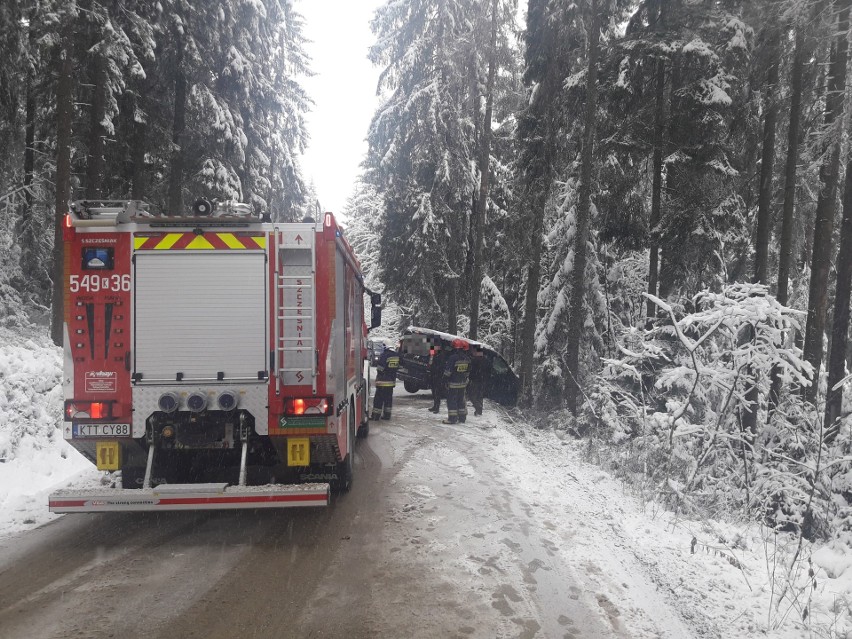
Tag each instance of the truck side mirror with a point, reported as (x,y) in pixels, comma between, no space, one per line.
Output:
(375,316)
(376,299)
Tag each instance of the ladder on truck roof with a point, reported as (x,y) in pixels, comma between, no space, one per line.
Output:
(295,300)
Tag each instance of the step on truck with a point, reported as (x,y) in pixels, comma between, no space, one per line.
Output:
(215,360)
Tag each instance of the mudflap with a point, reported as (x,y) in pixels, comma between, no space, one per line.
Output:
(345,472)
(189,497)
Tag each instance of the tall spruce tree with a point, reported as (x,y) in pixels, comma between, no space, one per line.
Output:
(577,314)
(770,39)
(421,150)
(64,122)
(547,62)
(804,28)
(484,161)
(823,244)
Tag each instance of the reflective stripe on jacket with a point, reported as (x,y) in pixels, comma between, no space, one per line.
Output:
(457,370)
(387,367)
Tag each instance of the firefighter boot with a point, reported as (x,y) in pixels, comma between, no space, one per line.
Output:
(386,415)
(375,415)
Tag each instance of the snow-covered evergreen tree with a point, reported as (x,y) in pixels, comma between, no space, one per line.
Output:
(422,151)
(244,105)
(554,299)
(258,63)
(365,214)
(689,63)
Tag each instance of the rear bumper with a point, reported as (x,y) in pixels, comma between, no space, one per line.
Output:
(419,377)
(189,497)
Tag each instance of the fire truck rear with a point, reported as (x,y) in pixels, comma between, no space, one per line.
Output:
(214,359)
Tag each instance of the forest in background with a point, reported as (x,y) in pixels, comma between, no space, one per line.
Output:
(645,205)
(164,101)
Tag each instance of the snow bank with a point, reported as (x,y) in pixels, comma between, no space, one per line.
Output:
(726,580)
(34,459)
(30,402)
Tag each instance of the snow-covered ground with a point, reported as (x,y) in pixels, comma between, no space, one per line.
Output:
(723,580)
(34,459)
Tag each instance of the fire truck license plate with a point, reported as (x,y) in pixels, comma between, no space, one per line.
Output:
(101,430)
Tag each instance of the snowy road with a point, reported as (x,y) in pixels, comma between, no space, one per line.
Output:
(449,531)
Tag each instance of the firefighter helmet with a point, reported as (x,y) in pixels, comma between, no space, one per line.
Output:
(460,343)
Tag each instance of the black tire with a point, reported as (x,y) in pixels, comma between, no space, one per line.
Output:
(410,386)
(344,476)
(364,426)
(345,467)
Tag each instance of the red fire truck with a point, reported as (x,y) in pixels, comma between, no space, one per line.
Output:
(216,360)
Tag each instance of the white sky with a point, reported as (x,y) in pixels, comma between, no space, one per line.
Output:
(344,92)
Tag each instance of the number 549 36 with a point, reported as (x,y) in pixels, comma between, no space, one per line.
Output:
(93,283)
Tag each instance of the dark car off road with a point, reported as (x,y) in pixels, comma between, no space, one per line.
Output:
(419,344)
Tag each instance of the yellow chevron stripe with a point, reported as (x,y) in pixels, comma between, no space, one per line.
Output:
(168,241)
(230,240)
(200,242)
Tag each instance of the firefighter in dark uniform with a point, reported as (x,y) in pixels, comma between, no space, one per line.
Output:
(456,372)
(385,381)
(436,376)
(478,377)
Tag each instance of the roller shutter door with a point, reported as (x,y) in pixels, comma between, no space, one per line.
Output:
(200,315)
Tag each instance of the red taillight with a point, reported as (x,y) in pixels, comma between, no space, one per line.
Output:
(67,228)
(86,410)
(308,406)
